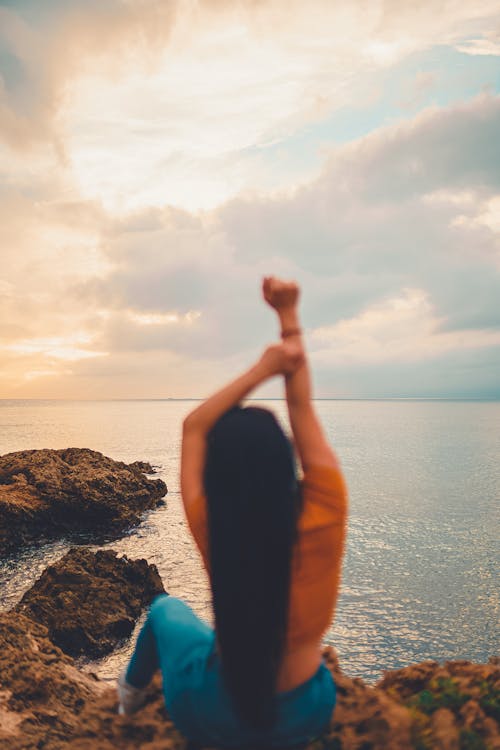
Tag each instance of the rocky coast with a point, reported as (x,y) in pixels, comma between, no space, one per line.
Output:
(46,494)
(87,603)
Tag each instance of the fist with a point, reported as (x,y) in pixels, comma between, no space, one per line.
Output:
(280,294)
(282,359)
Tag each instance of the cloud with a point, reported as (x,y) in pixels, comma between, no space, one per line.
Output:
(461,374)
(399,329)
(488,44)
(149,374)
(388,211)
(166,285)
(399,348)
(392,280)
(46,247)
(44,48)
(105,288)
(66,348)
(252,74)
(98,82)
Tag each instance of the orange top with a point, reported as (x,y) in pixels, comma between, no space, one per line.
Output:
(317,557)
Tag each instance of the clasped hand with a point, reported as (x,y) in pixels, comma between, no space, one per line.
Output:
(281,359)
(285,357)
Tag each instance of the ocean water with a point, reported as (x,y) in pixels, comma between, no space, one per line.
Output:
(419,577)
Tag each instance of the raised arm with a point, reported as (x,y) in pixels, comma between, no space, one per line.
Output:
(311,443)
(281,358)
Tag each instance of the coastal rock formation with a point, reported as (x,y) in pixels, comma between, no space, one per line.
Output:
(427,706)
(90,601)
(142,466)
(452,705)
(42,694)
(46,702)
(46,493)
(85,602)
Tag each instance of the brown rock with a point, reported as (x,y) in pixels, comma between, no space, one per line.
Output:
(47,493)
(444,730)
(456,704)
(405,682)
(89,601)
(46,703)
(143,466)
(365,717)
(472,715)
(41,692)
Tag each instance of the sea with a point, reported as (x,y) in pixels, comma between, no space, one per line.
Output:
(420,573)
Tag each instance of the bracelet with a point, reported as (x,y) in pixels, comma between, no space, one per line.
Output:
(290,332)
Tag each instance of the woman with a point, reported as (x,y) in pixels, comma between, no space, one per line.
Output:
(272,546)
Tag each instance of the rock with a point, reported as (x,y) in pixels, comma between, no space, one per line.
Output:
(41,691)
(364,717)
(48,493)
(408,681)
(90,601)
(444,730)
(452,705)
(102,729)
(45,702)
(143,466)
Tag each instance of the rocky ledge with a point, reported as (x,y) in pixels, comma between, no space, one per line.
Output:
(48,493)
(90,601)
(85,604)
(46,702)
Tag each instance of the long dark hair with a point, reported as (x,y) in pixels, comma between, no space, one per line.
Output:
(253,501)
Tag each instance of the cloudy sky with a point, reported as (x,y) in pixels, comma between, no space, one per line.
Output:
(158,158)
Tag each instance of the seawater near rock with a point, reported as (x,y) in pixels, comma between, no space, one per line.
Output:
(48,493)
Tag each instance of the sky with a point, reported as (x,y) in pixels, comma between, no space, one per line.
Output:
(157,159)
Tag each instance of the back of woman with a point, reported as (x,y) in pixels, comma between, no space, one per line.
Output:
(272,545)
(252,501)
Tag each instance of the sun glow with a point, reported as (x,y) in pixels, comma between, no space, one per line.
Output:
(57,347)
(161,319)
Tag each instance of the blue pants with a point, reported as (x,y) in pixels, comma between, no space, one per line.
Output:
(177,642)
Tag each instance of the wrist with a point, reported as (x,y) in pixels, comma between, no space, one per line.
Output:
(287,333)
(259,373)
(289,318)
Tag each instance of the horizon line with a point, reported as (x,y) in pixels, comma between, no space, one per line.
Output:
(492,399)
